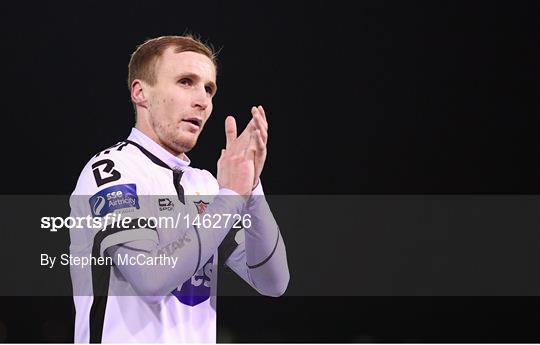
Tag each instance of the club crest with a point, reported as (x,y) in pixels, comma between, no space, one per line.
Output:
(201,206)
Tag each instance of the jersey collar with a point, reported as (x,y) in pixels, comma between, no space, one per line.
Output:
(154,148)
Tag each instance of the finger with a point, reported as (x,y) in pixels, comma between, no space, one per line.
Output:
(263,131)
(251,149)
(263,117)
(230,130)
(261,109)
(261,126)
(259,119)
(261,145)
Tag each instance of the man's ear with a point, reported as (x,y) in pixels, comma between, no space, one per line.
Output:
(137,93)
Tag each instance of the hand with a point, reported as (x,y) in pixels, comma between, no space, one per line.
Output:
(236,166)
(258,122)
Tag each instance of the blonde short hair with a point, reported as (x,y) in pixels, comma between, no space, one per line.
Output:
(143,60)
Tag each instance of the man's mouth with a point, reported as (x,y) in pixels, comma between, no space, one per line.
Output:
(196,121)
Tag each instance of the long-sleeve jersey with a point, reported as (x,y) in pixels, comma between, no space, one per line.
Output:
(165,224)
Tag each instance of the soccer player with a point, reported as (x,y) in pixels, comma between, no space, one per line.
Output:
(161,285)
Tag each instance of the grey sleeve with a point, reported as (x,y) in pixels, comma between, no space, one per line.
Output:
(194,249)
(260,257)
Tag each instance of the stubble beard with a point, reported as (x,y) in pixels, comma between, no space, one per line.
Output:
(173,140)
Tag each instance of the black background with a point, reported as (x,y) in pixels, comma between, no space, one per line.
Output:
(375,97)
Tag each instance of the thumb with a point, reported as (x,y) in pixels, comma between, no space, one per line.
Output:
(230,130)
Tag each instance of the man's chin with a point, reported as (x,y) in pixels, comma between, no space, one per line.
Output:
(185,145)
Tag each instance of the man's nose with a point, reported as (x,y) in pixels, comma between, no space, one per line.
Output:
(201,99)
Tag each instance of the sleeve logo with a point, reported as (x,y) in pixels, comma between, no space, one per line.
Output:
(165,204)
(107,173)
(123,196)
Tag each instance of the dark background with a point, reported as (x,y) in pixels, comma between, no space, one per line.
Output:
(375,97)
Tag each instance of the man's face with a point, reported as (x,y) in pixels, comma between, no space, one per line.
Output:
(180,101)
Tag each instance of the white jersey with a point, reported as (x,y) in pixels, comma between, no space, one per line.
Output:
(137,177)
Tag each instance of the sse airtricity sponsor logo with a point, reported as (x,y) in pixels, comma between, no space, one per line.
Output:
(123,196)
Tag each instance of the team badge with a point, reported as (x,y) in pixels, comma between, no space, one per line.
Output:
(201,206)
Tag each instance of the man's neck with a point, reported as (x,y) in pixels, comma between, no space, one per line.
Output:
(147,130)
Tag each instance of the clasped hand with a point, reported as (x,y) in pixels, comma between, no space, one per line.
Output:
(241,162)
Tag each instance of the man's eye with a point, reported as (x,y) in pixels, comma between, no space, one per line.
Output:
(209,90)
(185,81)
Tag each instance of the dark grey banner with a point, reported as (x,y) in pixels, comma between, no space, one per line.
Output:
(337,245)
